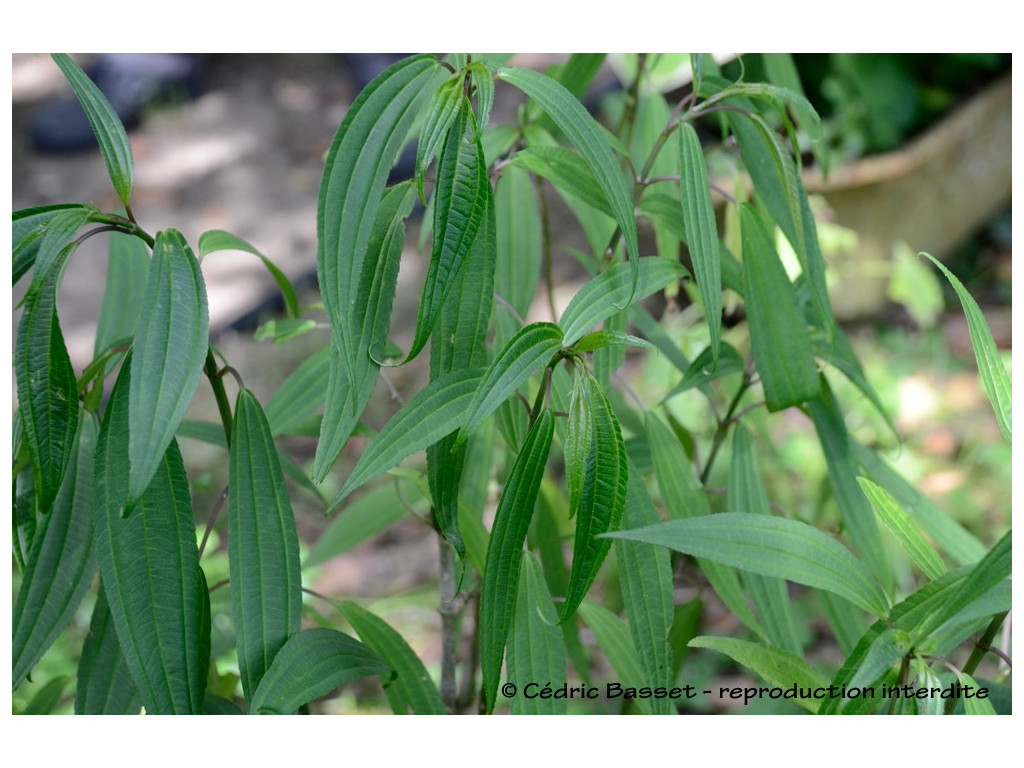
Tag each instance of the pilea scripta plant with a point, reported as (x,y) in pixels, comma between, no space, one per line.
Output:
(568,506)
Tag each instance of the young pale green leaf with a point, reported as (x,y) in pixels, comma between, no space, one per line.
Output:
(771,546)
(858,517)
(604,339)
(596,457)
(779,338)
(436,410)
(975,705)
(410,688)
(521,357)
(280,330)
(957,541)
(614,640)
(460,198)
(104,684)
(167,362)
(500,578)
(60,566)
(127,277)
(312,664)
(770,596)
(47,392)
(567,171)
(775,666)
(645,573)
(536,651)
(701,230)
(902,526)
(149,563)
(590,139)
(993,374)
(443,109)
(483,84)
(218,240)
(263,547)
(28,227)
(106,125)
(606,294)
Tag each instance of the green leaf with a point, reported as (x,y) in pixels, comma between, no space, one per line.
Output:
(770,596)
(443,109)
(604,339)
(312,664)
(170,348)
(217,705)
(536,652)
(567,171)
(28,228)
(263,547)
(218,240)
(523,355)
(613,638)
(701,229)
(47,392)
(519,240)
(886,650)
(779,338)
(605,294)
(588,137)
(47,698)
(993,374)
(771,546)
(60,566)
(645,573)
(106,125)
(299,395)
(902,526)
(483,84)
(974,705)
(104,684)
(410,687)
(127,277)
(595,462)
(149,563)
(437,409)
(839,353)
(702,372)
(278,331)
(777,667)
(500,578)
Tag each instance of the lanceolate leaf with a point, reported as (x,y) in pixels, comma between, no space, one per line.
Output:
(28,227)
(127,277)
(218,240)
(312,664)
(587,136)
(839,352)
(597,459)
(645,573)
(614,640)
(60,565)
(519,240)
(299,396)
(993,374)
(104,684)
(170,347)
(106,125)
(47,392)
(436,410)
(500,578)
(444,107)
(536,651)
(522,356)
(772,546)
(567,171)
(263,547)
(904,529)
(410,688)
(606,294)
(779,338)
(150,568)
(701,372)
(701,230)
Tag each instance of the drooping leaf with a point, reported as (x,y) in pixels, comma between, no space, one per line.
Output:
(701,372)
(28,227)
(436,410)
(106,126)
(311,664)
(839,353)
(263,547)
(606,294)
(772,546)
(701,230)
(779,338)
(904,529)
(149,563)
(566,170)
(104,684)
(993,374)
(218,240)
(500,578)
(60,566)
(777,667)
(127,277)
(521,357)
(170,348)
(48,697)
(595,462)
(536,651)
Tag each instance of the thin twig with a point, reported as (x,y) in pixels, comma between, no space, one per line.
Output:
(217,506)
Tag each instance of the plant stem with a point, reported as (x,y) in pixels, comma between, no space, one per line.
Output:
(219,393)
(450,625)
(723,428)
